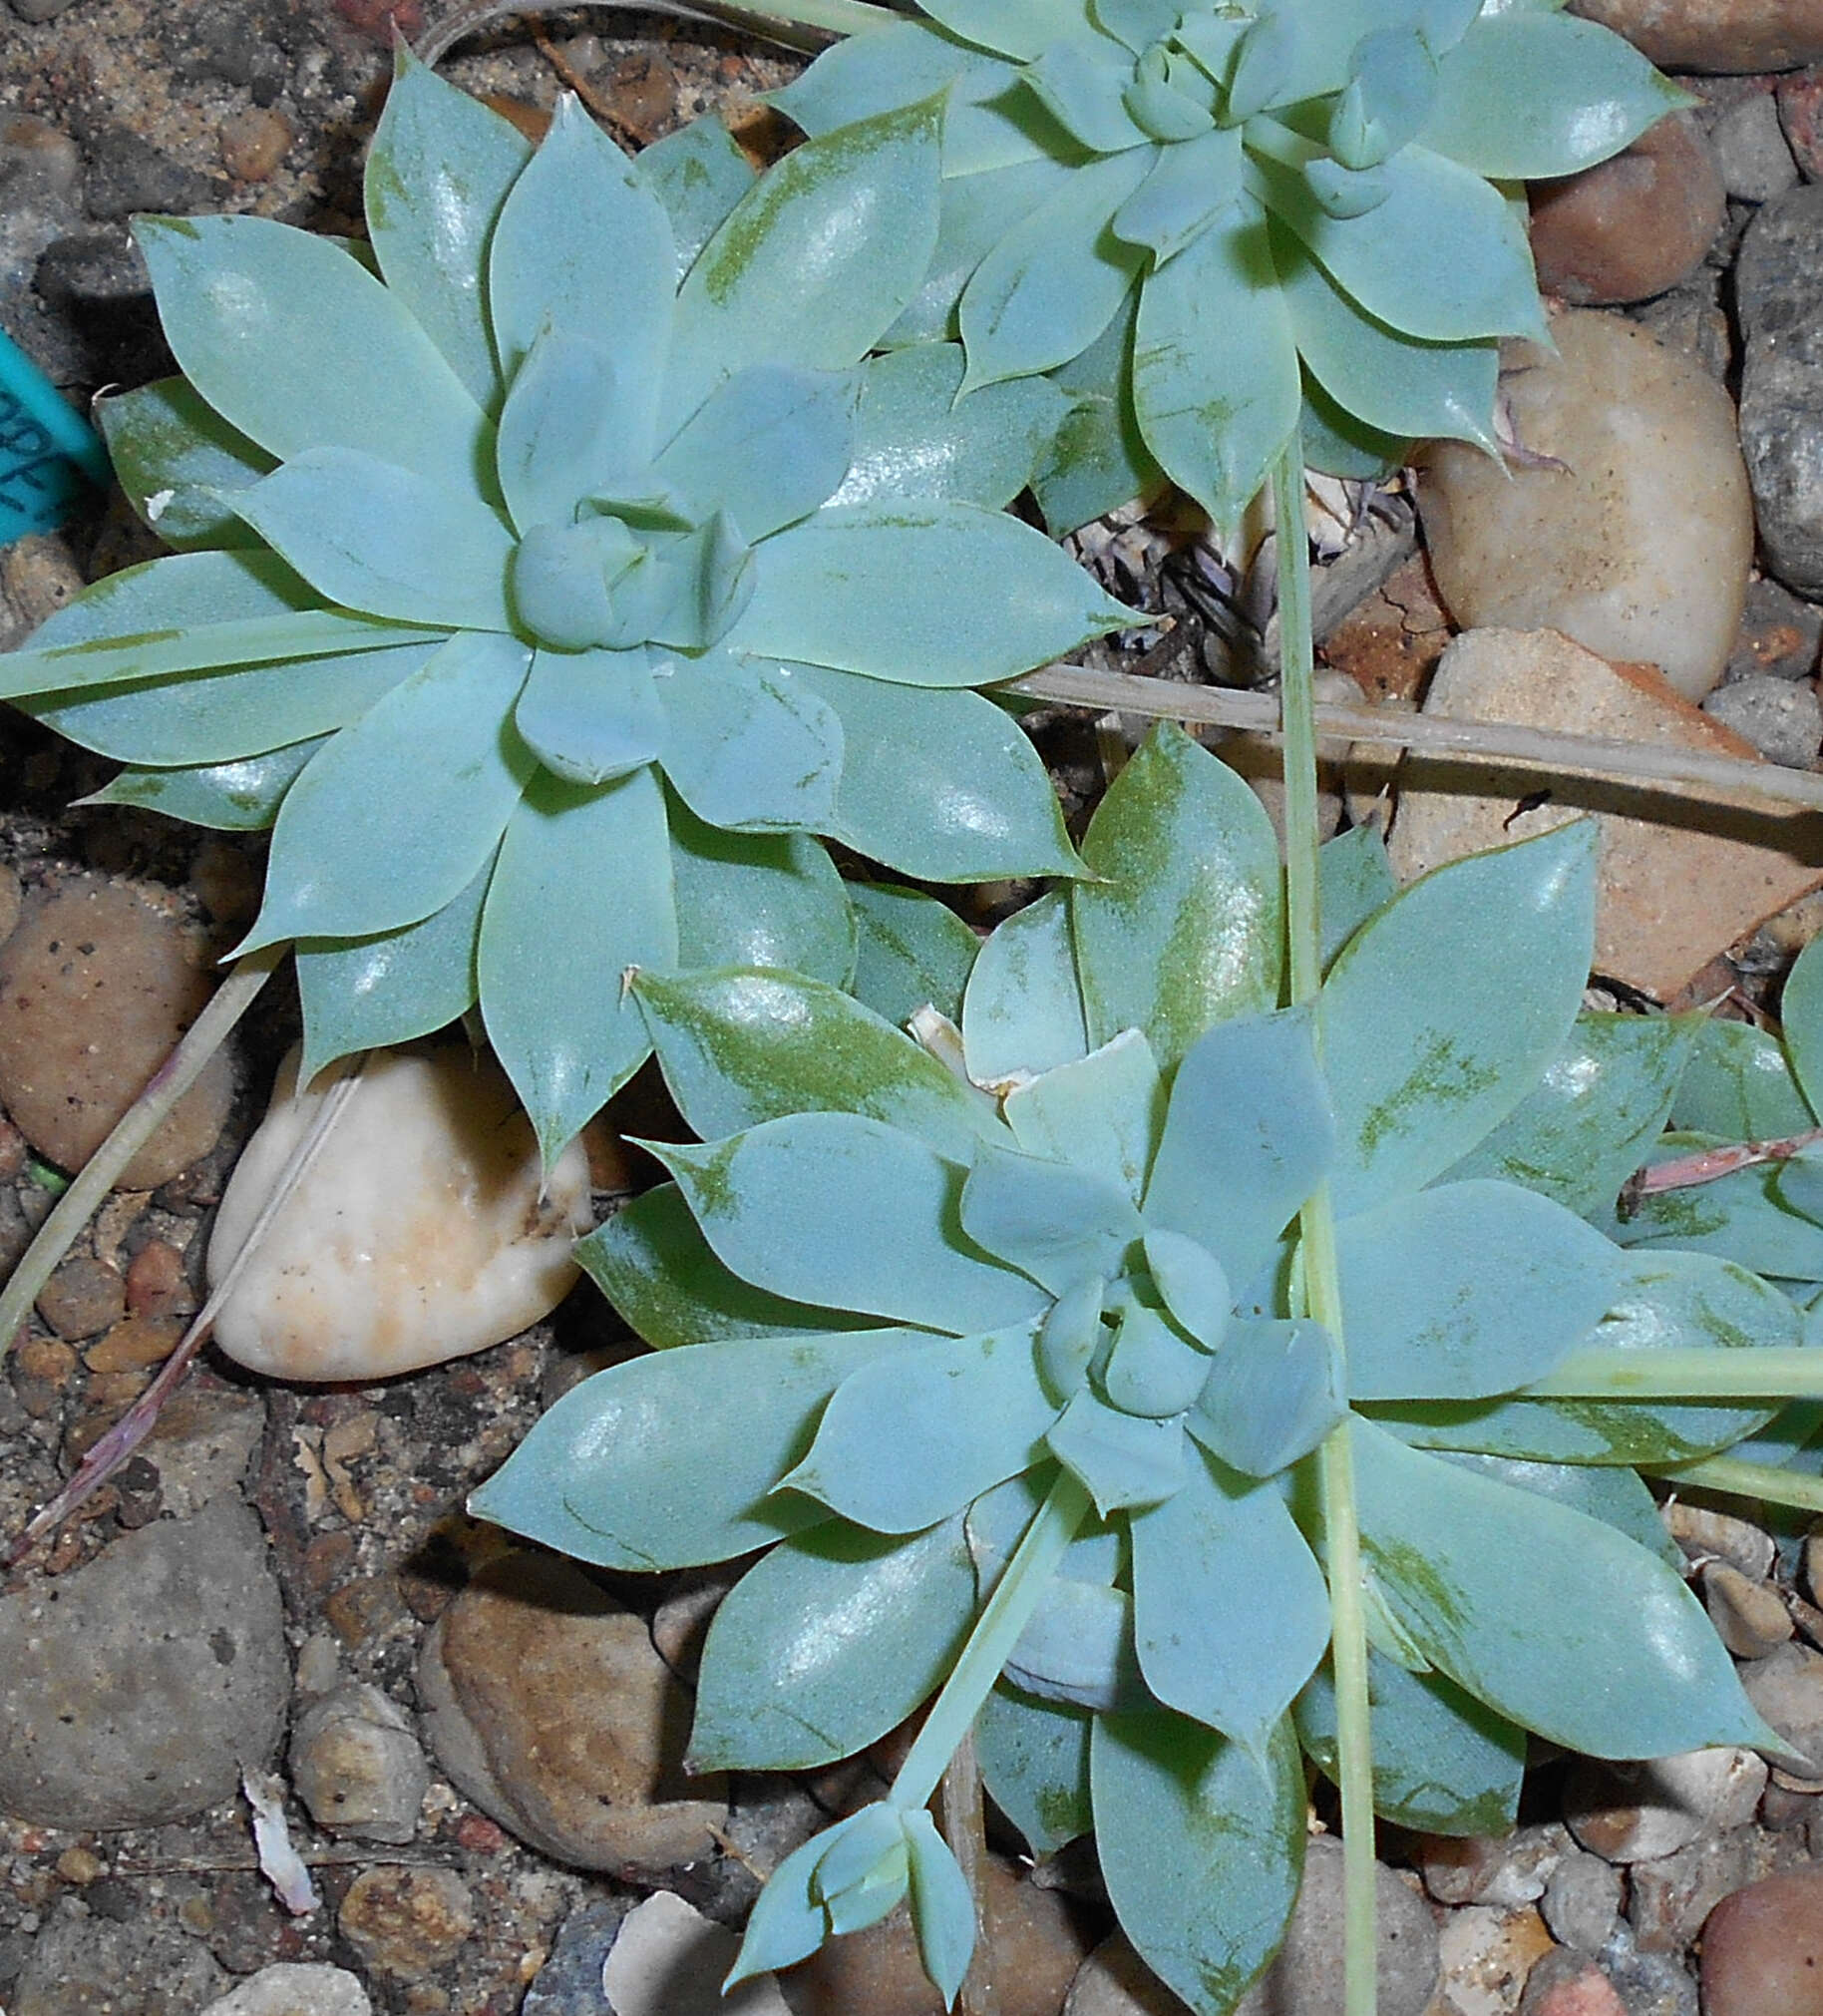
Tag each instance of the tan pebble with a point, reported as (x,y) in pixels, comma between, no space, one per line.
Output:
(1634,538)
(1036,1950)
(48,154)
(82,1296)
(78,1865)
(135,1343)
(116,1389)
(1702,1533)
(362,1611)
(38,576)
(355,1437)
(1749,1615)
(41,1367)
(1812,1564)
(1762,1950)
(99,986)
(424,1231)
(254,142)
(1486,1955)
(1634,225)
(155,1282)
(405,1921)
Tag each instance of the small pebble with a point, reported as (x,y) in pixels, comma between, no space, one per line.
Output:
(1635,540)
(1568,1985)
(1634,1812)
(1749,1616)
(405,1921)
(1780,717)
(1778,282)
(135,1343)
(1787,1689)
(206,1435)
(1668,1900)
(667,1958)
(155,1282)
(98,986)
(41,1367)
(255,141)
(1762,1950)
(1631,227)
(1751,150)
(1726,37)
(1487,1954)
(82,1296)
(424,1230)
(357,1764)
(570,1981)
(1800,103)
(1702,1533)
(547,1705)
(86,1962)
(1779,634)
(295,1989)
(1508,1870)
(1582,1901)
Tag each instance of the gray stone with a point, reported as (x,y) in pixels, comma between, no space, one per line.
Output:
(40,202)
(85,1965)
(1779,296)
(1636,1812)
(1787,1689)
(1779,634)
(1649,1984)
(1504,1869)
(1751,150)
(134,1690)
(204,1439)
(127,175)
(296,1989)
(357,1764)
(1668,1902)
(1306,1978)
(38,10)
(1780,717)
(94,270)
(569,1982)
(1582,1901)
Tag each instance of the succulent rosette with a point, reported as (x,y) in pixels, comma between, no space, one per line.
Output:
(1213,215)
(986,1342)
(560,568)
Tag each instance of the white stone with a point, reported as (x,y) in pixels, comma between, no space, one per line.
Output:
(1635,537)
(669,1961)
(420,1233)
(311,1988)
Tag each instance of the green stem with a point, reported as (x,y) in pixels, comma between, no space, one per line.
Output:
(102,1172)
(1006,1613)
(1780,1371)
(1320,1291)
(1742,1480)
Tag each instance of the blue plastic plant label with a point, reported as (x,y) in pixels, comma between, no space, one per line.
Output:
(49,455)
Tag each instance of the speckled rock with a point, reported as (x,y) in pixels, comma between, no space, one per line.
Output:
(1636,1813)
(1306,1978)
(84,1964)
(1635,540)
(1749,1616)
(1721,36)
(357,1766)
(1762,1950)
(1566,1984)
(1487,1954)
(1779,634)
(1582,1901)
(1778,283)
(570,1981)
(295,1989)
(548,1706)
(96,987)
(1752,153)
(1631,227)
(1668,1900)
(421,1232)
(134,1690)
(1780,717)
(1037,1947)
(405,1921)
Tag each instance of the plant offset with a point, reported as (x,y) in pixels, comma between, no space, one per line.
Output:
(1205,1350)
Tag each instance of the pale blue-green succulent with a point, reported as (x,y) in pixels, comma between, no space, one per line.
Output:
(1210,214)
(556,583)
(930,1312)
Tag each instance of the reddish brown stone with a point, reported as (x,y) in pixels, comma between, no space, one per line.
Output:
(1723,37)
(1800,98)
(1762,1950)
(155,1282)
(1633,226)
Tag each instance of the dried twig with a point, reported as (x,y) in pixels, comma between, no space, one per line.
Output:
(964,1828)
(1705,1166)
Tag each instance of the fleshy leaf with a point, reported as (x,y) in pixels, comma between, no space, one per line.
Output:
(1153,1371)
(1354,880)
(915,1436)
(1740,1084)
(942,1907)
(1189,189)
(565,1030)
(671,1460)
(749,746)
(174,457)
(910,952)
(1214,366)
(1607,1492)
(361,994)
(583,247)
(1275,1393)
(1553,1618)
(1249,1134)
(437,171)
(1081,81)
(1191,1280)
(1801,1010)
(1467,1290)
(352,855)
(1595,1114)
(1049,1219)
(1419,1076)
(591,717)
(241,797)
(837,1210)
(1183,927)
(383,540)
(874,589)
(1121,1460)
(914,439)
(768,446)
(1231,1612)
(1202,1846)
(831,1641)
(658,1270)
(757,898)
(742,1045)
(1443,1762)
(1099,460)
(1021,1013)
(786,1923)
(699,174)
(565,429)
(1035,1764)
(817,261)
(265,318)
(1102,1111)
(1744,1217)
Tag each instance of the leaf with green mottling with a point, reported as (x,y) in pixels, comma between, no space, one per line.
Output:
(1739,1085)
(1022,1010)
(699,174)
(831,1641)
(241,797)
(1801,1013)
(1034,1759)
(1743,1216)
(910,952)
(1183,928)
(1099,459)
(176,458)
